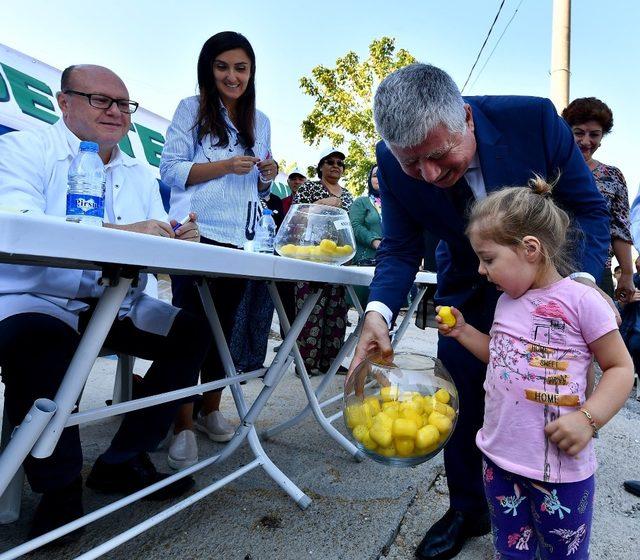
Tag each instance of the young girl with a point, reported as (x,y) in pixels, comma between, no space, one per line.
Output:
(538,427)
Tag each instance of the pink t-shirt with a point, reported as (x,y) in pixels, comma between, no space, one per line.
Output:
(538,362)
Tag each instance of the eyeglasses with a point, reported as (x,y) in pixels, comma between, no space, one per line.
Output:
(338,162)
(105,102)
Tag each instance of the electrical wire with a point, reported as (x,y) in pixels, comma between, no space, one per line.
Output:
(496,45)
(483,45)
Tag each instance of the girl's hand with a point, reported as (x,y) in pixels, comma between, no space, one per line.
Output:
(241,165)
(446,330)
(571,432)
(625,288)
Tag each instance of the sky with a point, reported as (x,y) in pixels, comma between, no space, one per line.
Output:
(154,46)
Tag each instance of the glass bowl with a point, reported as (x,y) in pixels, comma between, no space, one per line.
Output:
(400,413)
(315,232)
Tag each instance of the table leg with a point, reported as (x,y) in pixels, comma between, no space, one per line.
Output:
(313,405)
(271,380)
(81,364)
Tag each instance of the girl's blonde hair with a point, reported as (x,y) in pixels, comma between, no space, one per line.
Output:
(508,215)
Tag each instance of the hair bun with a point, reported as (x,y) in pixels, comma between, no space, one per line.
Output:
(540,186)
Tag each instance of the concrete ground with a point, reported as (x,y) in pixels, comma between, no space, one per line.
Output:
(360,511)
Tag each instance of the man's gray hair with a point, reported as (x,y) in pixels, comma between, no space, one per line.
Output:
(413,101)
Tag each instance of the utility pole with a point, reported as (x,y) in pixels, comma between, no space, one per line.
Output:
(560,53)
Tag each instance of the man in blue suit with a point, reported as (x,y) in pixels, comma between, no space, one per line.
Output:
(440,152)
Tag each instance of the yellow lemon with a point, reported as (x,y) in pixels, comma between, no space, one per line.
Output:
(404,428)
(427,436)
(383,419)
(288,250)
(328,246)
(358,414)
(360,432)
(427,404)
(414,416)
(446,316)
(450,413)
(369,443)
(391,410)
(441,422)
(412,405)
(418,403)
(389,393)
(443,396)
(389,451)
(381,435)
(405,446)
(344,250)
(374,405)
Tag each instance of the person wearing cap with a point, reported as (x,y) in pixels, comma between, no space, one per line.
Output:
(294,180)
(323,335)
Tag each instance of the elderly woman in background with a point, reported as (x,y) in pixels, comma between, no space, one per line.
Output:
(323,335)
(591,120)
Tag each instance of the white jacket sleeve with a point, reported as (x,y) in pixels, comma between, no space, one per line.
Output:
(22,172)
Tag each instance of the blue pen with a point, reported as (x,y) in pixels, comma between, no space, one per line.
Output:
(182,222)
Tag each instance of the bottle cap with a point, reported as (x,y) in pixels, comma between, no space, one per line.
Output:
(86,146)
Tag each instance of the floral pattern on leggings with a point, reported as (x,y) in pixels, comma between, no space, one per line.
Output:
(529,516)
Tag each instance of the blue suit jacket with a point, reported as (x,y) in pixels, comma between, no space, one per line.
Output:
(516,137)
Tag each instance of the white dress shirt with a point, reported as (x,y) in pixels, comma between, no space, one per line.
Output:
(223,204)
(474,178)
(34,165)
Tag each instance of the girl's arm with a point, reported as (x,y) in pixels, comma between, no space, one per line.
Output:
(572,432)
(471,338)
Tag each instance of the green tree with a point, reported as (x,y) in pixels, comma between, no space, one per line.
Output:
(342,113)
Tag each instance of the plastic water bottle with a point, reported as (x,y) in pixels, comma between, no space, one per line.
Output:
(265,233)
(87,178)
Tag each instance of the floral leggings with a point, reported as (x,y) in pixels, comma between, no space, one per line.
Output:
(528,514)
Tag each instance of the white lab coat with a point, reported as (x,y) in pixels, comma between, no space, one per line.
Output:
(34,165)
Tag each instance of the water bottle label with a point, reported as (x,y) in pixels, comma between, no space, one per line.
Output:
(84,205)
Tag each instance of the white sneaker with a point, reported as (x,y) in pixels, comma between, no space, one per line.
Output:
(183,451)
(216,426)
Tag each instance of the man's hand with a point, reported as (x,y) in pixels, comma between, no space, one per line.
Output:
(589,283)
(188,231)
(241,165)
(374,339)
(148,227)
(625,288)
(571,432)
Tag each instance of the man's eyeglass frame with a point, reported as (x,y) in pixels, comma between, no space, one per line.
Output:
(124,105)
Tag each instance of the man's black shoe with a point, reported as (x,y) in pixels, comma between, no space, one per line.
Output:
(447,536)
(133,475)
(56,508)
(632,486)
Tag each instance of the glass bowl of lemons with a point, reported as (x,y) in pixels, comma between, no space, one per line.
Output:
(400,412)
(318,233)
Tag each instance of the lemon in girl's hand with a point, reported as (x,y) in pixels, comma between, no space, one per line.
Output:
(447,317)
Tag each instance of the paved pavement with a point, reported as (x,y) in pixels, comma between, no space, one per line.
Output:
(359,511)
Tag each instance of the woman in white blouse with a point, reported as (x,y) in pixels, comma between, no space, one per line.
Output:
(217,161)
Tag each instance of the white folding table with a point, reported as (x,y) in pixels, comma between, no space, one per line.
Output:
(121,255)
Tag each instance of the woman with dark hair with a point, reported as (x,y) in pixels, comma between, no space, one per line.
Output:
(323,335)
(217,161)
(591,120)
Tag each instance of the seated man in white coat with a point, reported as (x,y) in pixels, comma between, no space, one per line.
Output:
(43,311)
